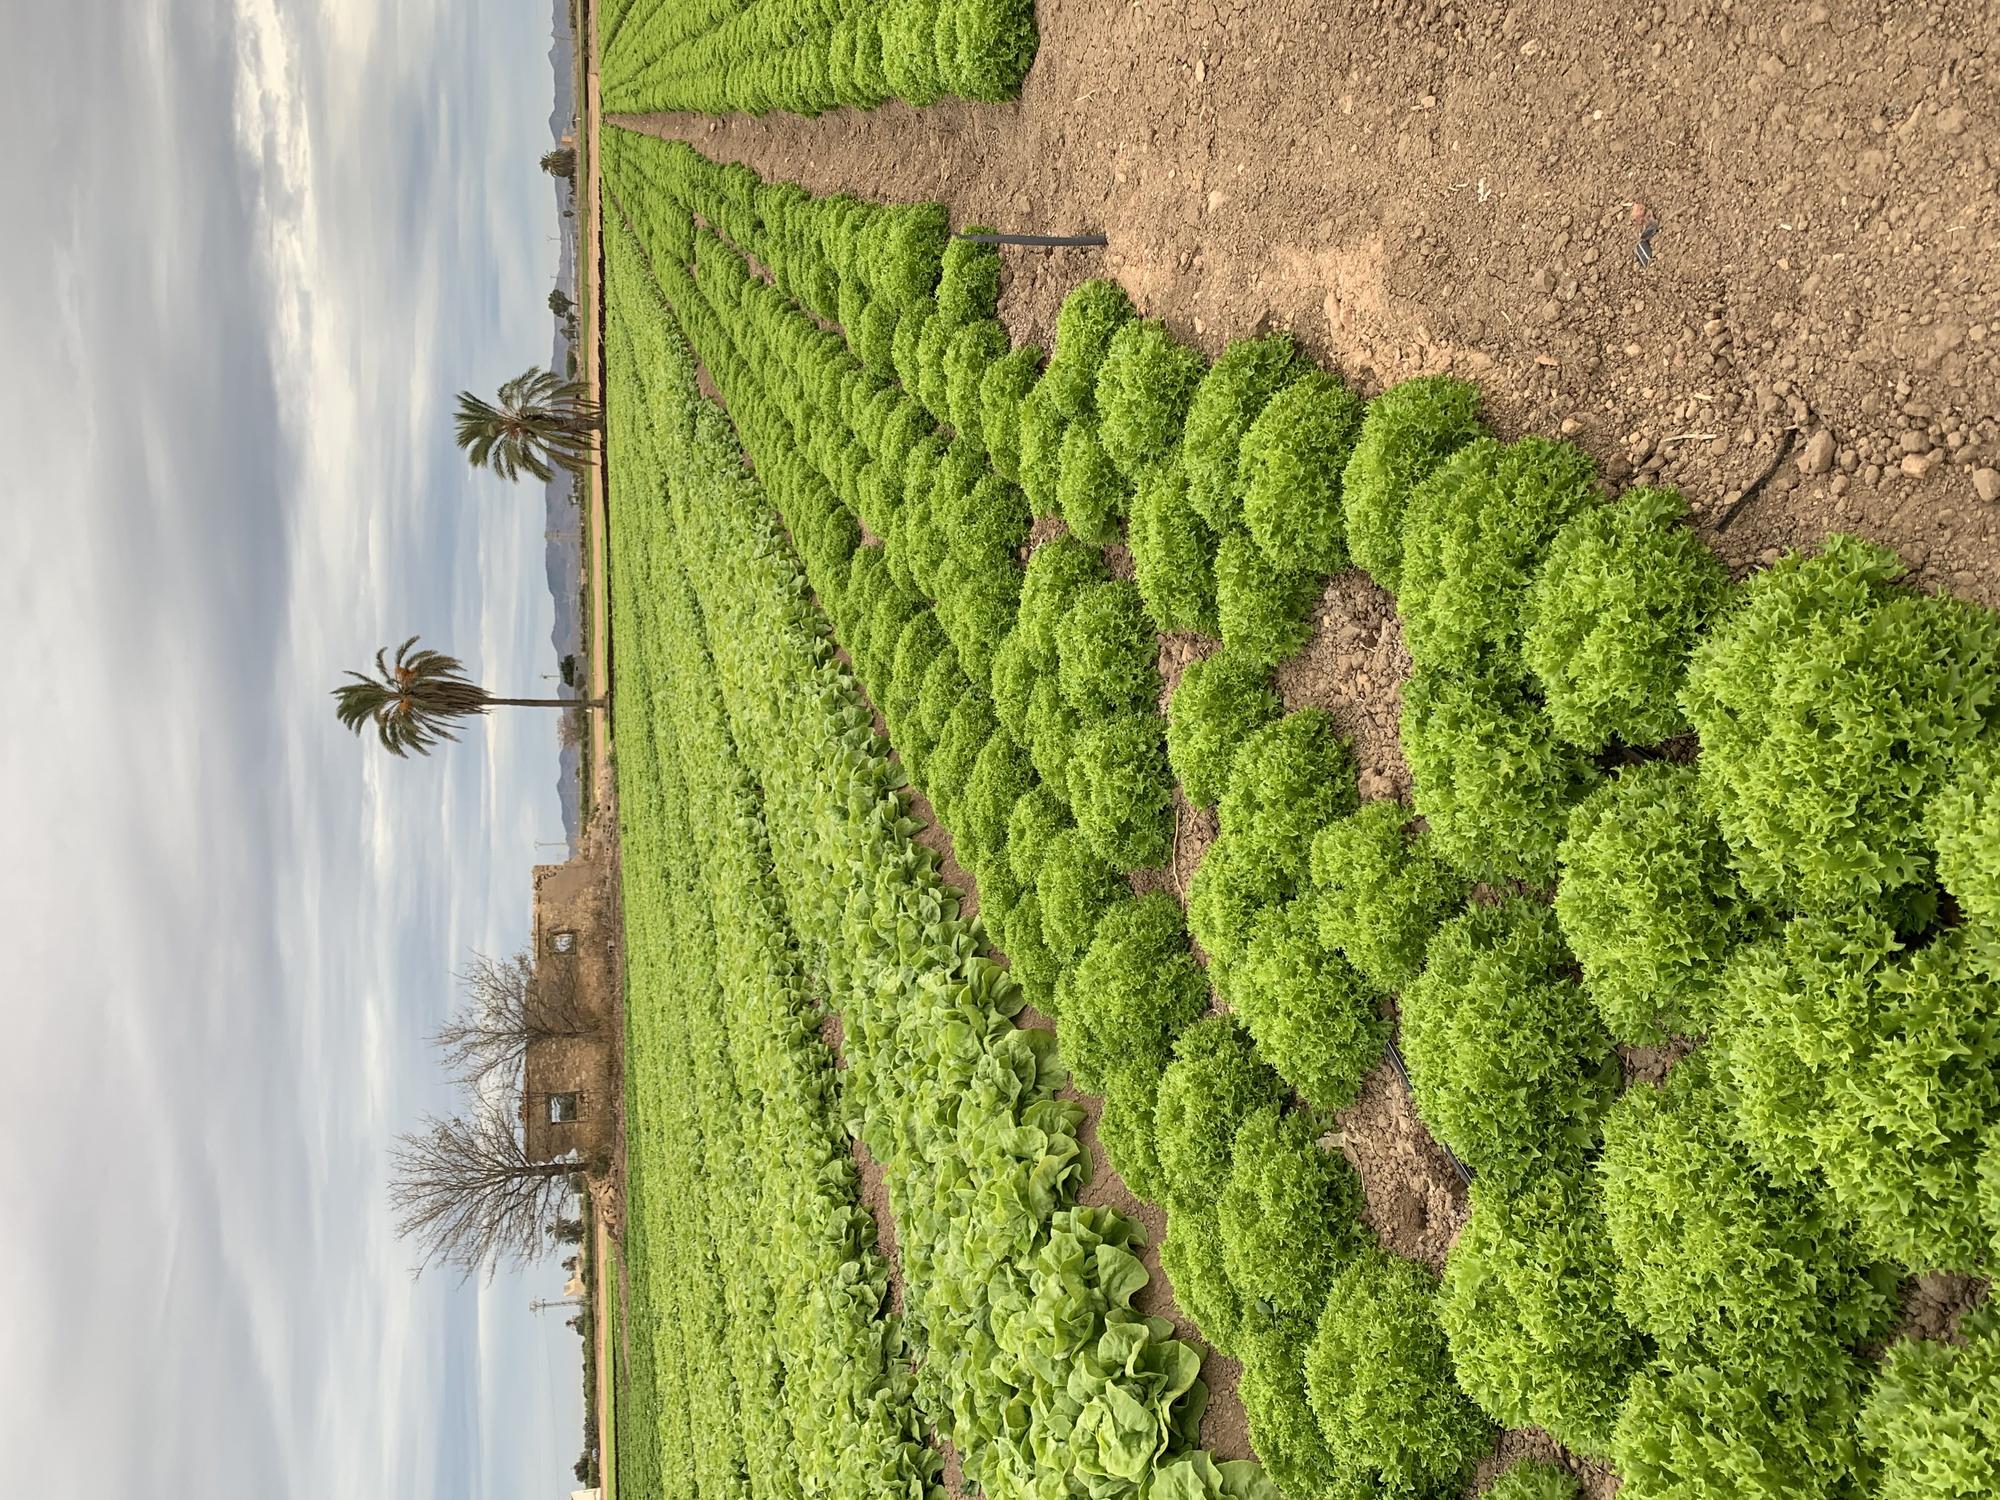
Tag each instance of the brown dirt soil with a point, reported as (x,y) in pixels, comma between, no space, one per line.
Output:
(1415,1199)
(1934,1304)
(875,1198)
(1354,667)
(1652,1064)
(1413,187)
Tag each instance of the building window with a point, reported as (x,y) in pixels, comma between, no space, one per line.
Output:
(565,1109)
(562,942)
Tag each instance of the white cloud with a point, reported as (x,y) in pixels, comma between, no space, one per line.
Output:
(263,275)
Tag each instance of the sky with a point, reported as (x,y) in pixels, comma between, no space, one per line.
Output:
(253,248)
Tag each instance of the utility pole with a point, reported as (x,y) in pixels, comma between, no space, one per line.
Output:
(543,1302)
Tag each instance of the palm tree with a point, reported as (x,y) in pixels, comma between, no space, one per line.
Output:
(560,162)
(541,419)
(413,703)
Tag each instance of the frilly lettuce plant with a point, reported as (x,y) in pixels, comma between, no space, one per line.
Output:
(1614,613)
(1381,1381)
(1037,816)
(1214,1081)
(1526,1306)
(919,645)
(873,335)
(1003,390)
(1289,779)
(1696,1432)
(1060,569)
(1144,386)
(1089,316)
(1509,1064)
(1531,1479)
(1031,963)
(1265,613)
(1121,790)
(1051,729)
(974,349)
(1289,1215)
(1650,902)
(968,281)
(1290,468)
(1932,1420)
(1313,1016)
(1091,493)
(1106,652)
(1381,891)
(1283,1428)
(911,327)
(1717,1261)
(1963,824)
(948,776)
(1218,703)
(1191,1255)
(932,346)
(1133,990)
(1173,553)
(1000,777)
(1832,703)
(993,44)
(1041,431)
(1076,888)
(1410,429)
(1473,534)
(1126,1125)
(1017,670)
(1876,1067)
(908,29)
(1230,886)
(1235,389)
(1489,775)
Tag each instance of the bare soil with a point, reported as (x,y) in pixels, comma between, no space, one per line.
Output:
(1935,1303)
(1354,667)
(1414,1198)
(1415,187)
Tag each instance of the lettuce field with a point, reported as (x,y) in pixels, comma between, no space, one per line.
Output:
(1019,979)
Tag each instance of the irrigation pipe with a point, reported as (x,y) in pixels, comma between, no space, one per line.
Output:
(1045,241)
(1403,1072)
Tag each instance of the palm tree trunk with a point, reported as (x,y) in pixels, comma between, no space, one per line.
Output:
(546,702)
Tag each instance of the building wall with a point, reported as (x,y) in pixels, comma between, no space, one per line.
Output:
(576,898)
(568,1065)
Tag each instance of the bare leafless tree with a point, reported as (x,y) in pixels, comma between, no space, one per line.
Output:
(466,1193)
(510,1003)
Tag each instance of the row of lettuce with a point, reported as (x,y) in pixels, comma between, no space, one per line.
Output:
(804,56)
(758,1288)
(1761,814)
(771,874)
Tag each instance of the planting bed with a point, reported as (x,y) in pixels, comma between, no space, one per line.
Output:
(1354,805)
(1417,187)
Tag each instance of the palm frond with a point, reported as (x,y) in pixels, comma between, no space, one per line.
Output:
(412,702)
(540,421)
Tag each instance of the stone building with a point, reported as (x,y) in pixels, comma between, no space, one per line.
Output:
(568,1075)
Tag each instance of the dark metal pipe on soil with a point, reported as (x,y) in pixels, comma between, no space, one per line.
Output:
(1403,1072)
(1044,241)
